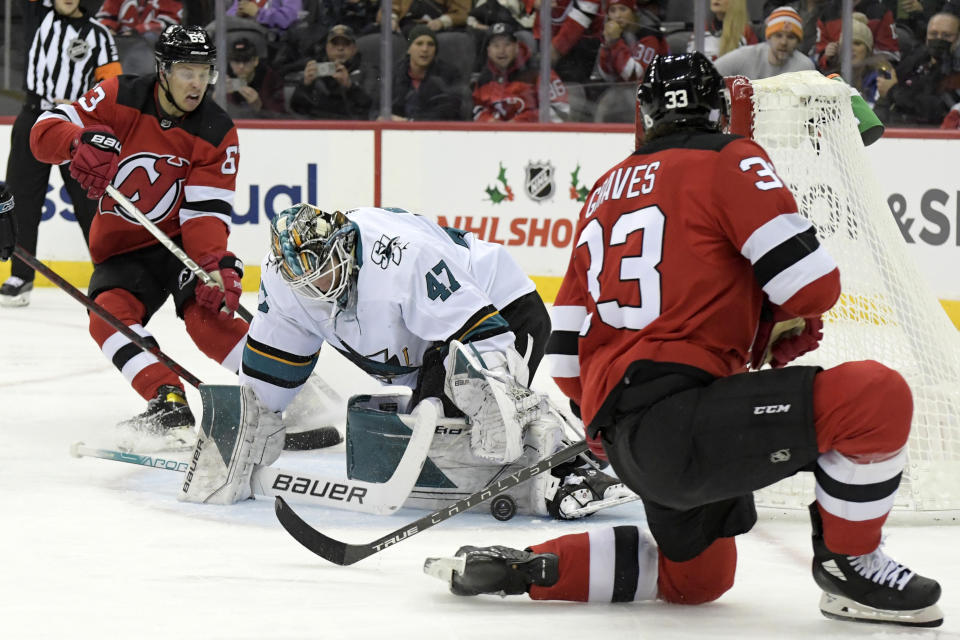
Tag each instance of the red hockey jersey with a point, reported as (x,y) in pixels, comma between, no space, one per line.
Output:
(627,59)
(142,16)
(180,173)
(675,248)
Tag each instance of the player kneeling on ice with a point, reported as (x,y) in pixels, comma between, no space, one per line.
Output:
(678,249)
(436,312)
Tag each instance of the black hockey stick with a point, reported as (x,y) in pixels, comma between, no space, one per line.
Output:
(319,438)
(343,554)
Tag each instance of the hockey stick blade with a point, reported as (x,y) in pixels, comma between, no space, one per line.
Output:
(320,438)
(342,553)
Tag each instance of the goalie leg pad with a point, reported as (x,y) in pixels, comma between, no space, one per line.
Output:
(236,433)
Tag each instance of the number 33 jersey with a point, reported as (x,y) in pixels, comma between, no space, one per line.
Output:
(675,248)
(418,284)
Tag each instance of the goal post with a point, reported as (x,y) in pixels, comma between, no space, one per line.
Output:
(886,312)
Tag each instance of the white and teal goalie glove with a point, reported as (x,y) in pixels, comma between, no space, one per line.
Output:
(486,388)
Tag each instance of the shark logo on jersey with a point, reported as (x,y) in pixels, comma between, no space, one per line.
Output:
(386,251)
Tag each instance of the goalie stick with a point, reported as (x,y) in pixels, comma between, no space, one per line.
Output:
(343,554)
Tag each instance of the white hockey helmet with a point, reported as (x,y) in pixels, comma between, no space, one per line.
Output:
(314,252)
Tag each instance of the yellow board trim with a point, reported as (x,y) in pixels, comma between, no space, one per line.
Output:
(78,274)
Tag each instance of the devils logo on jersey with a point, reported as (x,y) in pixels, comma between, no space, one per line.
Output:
(153,183)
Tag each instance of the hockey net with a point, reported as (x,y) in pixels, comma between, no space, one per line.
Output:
(886,312)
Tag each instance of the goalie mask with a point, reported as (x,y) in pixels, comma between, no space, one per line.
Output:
(679,92)
(314,252)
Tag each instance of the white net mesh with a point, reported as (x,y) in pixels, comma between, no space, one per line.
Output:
(886,312)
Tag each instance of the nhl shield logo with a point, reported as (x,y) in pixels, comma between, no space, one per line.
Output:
(77,49)
(539,181)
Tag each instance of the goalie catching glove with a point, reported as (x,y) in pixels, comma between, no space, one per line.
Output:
(490,388)
(236,434)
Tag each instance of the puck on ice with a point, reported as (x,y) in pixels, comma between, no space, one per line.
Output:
(503,507)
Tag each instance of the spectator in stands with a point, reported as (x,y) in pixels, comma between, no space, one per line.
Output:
(135,25)
(728,27)
(926,85)
(277,15)
(810,12)
(437,15)
(912,17)
(778,54)
(359,15)
(507,89)
(866,65)
(485,13)
(254,90)
(879,19)
(333,84)
(631,40)
(425,87)
(576,35)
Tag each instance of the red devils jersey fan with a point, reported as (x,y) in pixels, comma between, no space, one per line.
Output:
(880,19)
(690,257)
(163,143)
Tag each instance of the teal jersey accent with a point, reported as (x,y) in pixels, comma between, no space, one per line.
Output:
(276,367)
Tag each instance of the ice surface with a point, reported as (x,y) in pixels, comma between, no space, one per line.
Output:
(99,549)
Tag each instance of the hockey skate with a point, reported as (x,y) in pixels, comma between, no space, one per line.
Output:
(15,292)
(871,587)
(584,491)
(166,425)
(496,570)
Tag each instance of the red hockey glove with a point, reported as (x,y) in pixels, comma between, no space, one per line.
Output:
(596,447)
(781,337)
(95,154)
(791,346)
(223,294)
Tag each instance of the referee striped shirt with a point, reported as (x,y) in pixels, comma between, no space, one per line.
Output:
(68,56)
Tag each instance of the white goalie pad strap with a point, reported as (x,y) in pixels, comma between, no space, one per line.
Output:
(236,434)
(498,406)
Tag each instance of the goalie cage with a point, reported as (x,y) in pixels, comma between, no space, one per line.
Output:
(886,311)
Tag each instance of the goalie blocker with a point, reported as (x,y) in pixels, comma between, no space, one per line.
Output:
(377,437)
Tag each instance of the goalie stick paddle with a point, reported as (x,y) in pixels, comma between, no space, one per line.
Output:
(343,554)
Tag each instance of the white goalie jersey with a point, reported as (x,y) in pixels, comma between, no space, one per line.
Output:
(418,284)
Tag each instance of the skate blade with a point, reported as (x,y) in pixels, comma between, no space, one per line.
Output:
(840,608)
(443,568)
(21,300)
